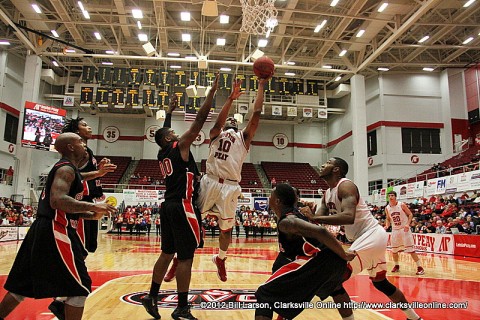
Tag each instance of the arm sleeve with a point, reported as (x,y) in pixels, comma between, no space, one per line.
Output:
(168,121)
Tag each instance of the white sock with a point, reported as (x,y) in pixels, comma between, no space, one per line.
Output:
(349,317)
(419,264)
(222,254)
(411,314)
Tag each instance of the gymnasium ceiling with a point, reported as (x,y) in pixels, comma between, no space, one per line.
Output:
(391,38)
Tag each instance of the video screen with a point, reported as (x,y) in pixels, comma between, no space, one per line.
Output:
(41,126)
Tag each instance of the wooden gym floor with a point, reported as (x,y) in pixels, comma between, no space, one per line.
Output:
(121,274)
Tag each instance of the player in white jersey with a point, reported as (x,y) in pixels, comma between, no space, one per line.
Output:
(342,205)
(400,217)
(219,187)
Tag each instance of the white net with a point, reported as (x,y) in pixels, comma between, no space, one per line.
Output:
(259,16)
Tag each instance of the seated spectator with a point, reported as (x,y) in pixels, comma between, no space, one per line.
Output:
(440,227)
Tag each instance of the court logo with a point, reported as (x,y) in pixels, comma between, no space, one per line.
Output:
(200,299)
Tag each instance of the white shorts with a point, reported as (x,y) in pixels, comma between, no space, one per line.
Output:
(370,248)
(402,241)
(219,198)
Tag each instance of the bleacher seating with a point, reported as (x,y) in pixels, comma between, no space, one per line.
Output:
(457,162)
(122,165)
(300,175)
(249,175)
(147,168)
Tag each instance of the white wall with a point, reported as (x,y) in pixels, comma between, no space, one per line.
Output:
(456,90)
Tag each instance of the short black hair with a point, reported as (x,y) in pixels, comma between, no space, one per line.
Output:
(286,194)
(160,135)
(343,165)
(71,125)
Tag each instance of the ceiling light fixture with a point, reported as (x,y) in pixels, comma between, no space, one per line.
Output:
(185,16)
(224,19)
(334,3)
(291,74)
(468,40)
(424,39)
(176,67)
(190,58)
(80,5)
(86,14)
(55,63)
(186,37)
(97,35)
(327,67)
(428,69)
(382,69)
(107,63)
(225,69)
(221,41)
(137,13)
(4,43)
(341,54)
(320,26)
(55,34)
(383,7)
(142,37)
(173,54)
(468,3)
(262,43)
(70,51)
(36,8)
(338,78)
(360,33)
(139,25)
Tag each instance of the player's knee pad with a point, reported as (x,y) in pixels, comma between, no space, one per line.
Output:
(338,292)
(385,286)
(77,301)
(17,297)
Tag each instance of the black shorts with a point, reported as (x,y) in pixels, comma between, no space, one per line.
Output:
(180,228)
(300,280)
(49,264)
(88,232)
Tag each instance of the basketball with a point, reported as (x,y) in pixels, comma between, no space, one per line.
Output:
(264,67)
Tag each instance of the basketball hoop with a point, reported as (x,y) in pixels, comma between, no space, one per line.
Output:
(259,16)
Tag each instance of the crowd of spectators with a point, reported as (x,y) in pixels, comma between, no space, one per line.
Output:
(441,214)
(15,213)
(137,219)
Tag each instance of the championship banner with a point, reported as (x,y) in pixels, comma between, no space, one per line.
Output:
(164,78)
(87,74)
(225,81)
(101,99)
(163,99)
(253,80)
(119,77)
(118,97)
(148,98)
(283,85)
(132,98)
(150,77)
(86,96)
(134,77)
(312,87)
(271,85)
(180,79)
(431,242)
(104,76)
(243,85)
(297,87)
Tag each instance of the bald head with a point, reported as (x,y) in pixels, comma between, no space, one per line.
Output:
(70,145)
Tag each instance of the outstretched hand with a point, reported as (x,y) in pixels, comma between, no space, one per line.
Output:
(173,103)
(215,82)
(236,91)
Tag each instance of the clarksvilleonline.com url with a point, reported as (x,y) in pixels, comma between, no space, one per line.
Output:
(392,305)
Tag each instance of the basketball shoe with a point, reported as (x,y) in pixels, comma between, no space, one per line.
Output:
(396,268)
(171,273)
(150,305)
(420,271)
(221,271)
(183,313)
